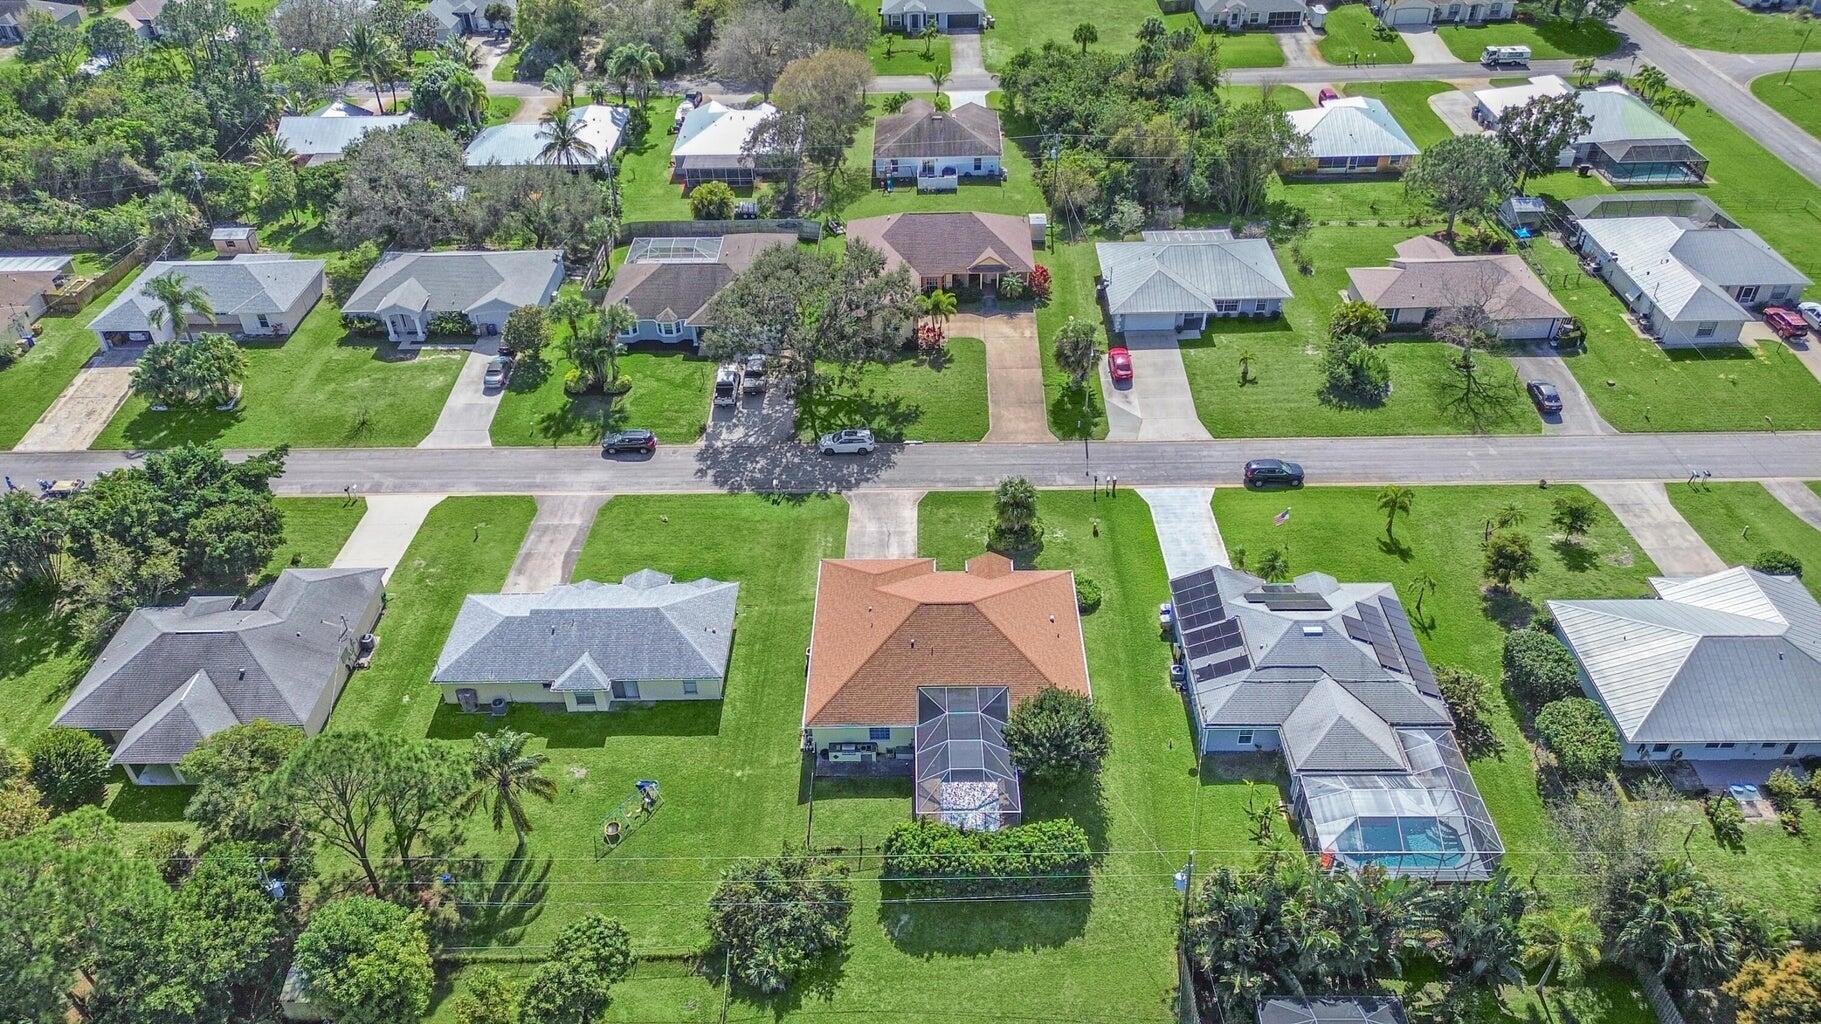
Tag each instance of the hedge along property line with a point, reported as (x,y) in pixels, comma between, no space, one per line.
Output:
(931,859)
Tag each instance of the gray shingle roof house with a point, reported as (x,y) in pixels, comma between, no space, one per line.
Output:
(466,17)
(1175,281)
(1353,135)
(921,141)
(173,676)
(947,250)
(1720,667)
(1331,674)
(322,140)
(254,294)
(15,16)
(669,282)
(1689,281)
(1238,15)
(589,645)
(909,16)
(404,290)
(1427,278)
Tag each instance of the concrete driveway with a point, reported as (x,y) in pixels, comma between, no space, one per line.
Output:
(964,54)
(1455,108)
(83,410)
(1156,404)
(553,543)
(882,524)
(1578,416)
(1184,517)
(384,533)
(768,418)
(1643,507)
(1427,46)
(1014,373)
(467,417)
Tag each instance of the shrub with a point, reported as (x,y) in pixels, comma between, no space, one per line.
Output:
(345,270)
(1784,789)
(1780,991)
(1577,731)
(1353,372)
(1465,694)
(895,102)
(526,332)
(1087,593)
(1039,283)
(169,851)
(711,200)
(931,859)
(575,382)
(1539,668)
(21,808)
(1011,287)
(1058,735)
(454,322)
(1773,562)
(362,326)
(69,767)
(1360,320)
(1728,821)
(1508,558)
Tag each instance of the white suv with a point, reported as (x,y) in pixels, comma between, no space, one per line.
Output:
(847,442)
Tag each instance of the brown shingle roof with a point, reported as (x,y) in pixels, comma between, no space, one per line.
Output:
(1427,275)
(939,244)
(681,291)
(885,627)
(920,130)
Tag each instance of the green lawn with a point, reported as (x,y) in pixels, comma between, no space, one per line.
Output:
(1073,266)
(1249,50)
(507,69)
(315,530)
(1637,385)
(318,388)
(908,56)
(1348,37)
(501,109)
(30,385)
(1554,40)
(1021,24)
(1409,103)
(1282,398)
(1723,25)
(1741,521)
(1019,195)
(646,191)
(1798,99)
(670,393)
(910,398)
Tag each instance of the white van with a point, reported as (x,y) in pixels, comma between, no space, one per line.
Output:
(1494,56)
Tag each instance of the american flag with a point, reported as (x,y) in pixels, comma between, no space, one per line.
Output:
(1281,518)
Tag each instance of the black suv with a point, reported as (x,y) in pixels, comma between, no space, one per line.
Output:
(1273,473)
(629,441)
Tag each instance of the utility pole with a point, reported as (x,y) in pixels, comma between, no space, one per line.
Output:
(1799,48)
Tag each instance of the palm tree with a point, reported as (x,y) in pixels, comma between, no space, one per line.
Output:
(1245,366)
(938,305)
(269,149)
(175,297)
(504,774)
(1274,566)
(939,78)
(598,92)
(1563,942)
(928,35)
(639,65)
(370,55)
(1504,519)
(1678,926)
(1392,500)
(1424,584)
(562,80)
(1086,34)
(563,142)
(571,309)
(616,320)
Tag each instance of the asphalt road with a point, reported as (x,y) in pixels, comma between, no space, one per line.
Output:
(793,468)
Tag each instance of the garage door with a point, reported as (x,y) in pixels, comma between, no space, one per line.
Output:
(956,21)
(1415,14)
(1284,19)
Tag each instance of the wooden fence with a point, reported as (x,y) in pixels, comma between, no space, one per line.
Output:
(807,230)
(72,300)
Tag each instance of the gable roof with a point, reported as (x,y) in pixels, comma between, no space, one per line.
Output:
(1616,116)
(518,145)
(583,635)
(17,12)
(938,244)
(885,627)
(447,12)
(1685,267)
(174,675)
(671,279)
(327,136)
(1427,275)
(1353,126)
(717,130)
(1187,272)
(247,285)
(1730,657)
(920,131)
(933,6)
(440,282)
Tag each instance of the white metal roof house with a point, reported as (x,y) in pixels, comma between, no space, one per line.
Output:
(173,676)
(1427,278)
(405,290)
(322,140)
(1414,13)
(1722,667)
(1352,135)
(591,645)
(256,295)
(711,142)
(1239,15)
(1331,674)
(520,145)
(1688,281)
(1626,141)
(25,282)
(1174,281)
(910,16)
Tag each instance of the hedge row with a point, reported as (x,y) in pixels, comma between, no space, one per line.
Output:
(930,859)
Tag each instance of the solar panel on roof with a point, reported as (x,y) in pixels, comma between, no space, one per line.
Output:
(1355,628)
(1289,600)
(1416,664)
(1378,634)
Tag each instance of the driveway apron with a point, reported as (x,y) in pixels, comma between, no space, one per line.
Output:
(384,533)
(553,543)
(1184,517)
(1156,404)
(1798,498)
(882,524)
(1427,47)
(1643,508)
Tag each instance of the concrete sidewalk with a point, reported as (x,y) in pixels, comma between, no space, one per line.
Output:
(882,524)
(1643,508)
(1799,498)
(83,410)
(1184,517)
(383,535)
(554,542)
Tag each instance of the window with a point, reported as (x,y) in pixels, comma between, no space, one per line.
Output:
(1332,162)
(1711,746)
(1767,746)
(689,686)
(584,699)
(1706,329)
(1245,737)
(264,324)
(626,689)
(1789,749)
(1659,748)
(633,331)
(1747,294)
(978,163)
(669,328)
(1728,746)
(1260,305)
(876,733)
(1227,306)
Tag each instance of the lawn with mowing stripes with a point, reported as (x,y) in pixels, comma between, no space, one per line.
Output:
(1553,40)
(1352,36)
(1074,412)
(1725,26)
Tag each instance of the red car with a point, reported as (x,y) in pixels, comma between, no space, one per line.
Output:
(1326,95)
(1785,322)
(1119,363)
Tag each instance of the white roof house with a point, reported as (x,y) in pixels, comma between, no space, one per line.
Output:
(318,140)
(1354,133)
(519,145)
(1175,280)
(712,139)
(1496,101)
(1625,140)
(1724,666)
(265,293)
(1242,14)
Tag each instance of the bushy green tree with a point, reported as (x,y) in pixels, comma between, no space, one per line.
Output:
(1077,348)
(491,997)
(1577,731)
(575,984)
(1574,514)
(1509,558)
(1354,372)
(69,766)
(1058,735)
(1465,694)
(1360,320)
(1465,174)
(230,770)
(191,374)
(448,94)
(526,332)
(780,916)
(711,200)
(1539,668)
(367,961)
(1783,990)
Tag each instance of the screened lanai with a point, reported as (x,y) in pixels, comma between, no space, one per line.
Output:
(965,776)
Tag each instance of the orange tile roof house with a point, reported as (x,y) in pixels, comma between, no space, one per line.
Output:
(885,628)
